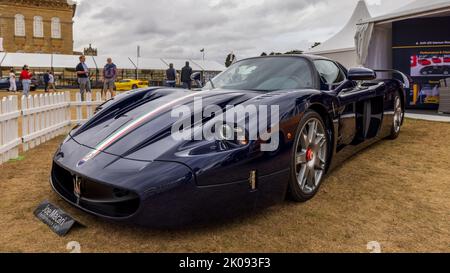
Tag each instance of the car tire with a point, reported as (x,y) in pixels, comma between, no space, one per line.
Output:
(309,160)
(397,119)
(134,86)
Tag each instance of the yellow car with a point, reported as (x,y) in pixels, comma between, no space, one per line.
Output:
(432,100)
(128,84)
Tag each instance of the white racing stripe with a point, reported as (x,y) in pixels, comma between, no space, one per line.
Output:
(131,126)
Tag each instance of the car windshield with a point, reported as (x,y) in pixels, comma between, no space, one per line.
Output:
(265,74)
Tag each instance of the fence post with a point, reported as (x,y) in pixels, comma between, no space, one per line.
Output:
(24,121)
(68,99)
(9,130)
(59,113)
(4,129)
(48,101)
(39,118)
(98,97)
(31,118)
(89,105)
(79,107)
(15,126)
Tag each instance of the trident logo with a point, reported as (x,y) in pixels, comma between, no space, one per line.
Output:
(77,188)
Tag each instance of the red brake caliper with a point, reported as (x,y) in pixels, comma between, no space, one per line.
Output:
(309,154)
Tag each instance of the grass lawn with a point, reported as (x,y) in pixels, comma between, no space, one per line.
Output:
(396,193)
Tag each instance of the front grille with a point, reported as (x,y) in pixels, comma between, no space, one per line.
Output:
(98,198)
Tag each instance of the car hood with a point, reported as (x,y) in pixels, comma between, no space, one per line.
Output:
(142,130)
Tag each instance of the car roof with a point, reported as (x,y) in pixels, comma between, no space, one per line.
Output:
(304,56)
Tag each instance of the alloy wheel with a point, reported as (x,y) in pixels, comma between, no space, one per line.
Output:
(398,115)
(311,154)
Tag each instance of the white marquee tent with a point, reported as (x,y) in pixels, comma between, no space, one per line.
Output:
(122,62)
(374,36)
(367,41)
(341,47)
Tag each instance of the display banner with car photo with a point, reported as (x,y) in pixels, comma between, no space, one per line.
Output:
(421,48)
(430,65)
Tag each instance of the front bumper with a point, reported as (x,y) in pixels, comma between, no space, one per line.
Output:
(95,198)
(177,202)
(156,193)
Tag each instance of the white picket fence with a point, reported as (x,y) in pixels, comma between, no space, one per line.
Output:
(43,117)
(85,109)
(9,129)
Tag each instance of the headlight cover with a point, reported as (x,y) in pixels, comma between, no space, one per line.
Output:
(233,135)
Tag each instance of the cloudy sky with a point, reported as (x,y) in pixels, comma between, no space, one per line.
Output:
(180,28)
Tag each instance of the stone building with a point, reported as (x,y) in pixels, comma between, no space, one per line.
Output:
(90,51)
(37,26)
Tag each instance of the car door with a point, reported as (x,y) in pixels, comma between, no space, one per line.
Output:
(333,75)
(360,110)
(366,101)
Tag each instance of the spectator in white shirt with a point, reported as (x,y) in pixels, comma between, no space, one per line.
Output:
(12,81)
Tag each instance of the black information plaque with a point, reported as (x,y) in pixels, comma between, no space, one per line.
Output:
(59,221)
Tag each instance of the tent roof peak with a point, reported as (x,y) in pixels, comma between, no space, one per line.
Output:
(344,39)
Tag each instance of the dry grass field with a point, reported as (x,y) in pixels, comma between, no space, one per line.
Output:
(396,193)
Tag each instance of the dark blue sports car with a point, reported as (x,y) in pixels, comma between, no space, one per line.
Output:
(144,158)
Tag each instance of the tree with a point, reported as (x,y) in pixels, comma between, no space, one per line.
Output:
(316,44)
(231,58)
(294,52)
(263,54)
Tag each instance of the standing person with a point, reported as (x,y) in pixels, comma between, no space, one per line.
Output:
(12,81)
(83,76)
(186,73)
(25,77)
(46,80)
(51,82)
(171,76)
(109,77)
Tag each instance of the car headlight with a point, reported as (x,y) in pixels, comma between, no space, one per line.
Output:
(225,137)
(233,134)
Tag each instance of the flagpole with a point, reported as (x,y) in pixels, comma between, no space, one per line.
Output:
(137,61)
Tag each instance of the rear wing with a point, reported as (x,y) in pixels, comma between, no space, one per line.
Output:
(395,74)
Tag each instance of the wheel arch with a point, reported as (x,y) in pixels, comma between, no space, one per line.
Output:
(322,111)
(402,95)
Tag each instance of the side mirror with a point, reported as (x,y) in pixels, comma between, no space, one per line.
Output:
(361,74)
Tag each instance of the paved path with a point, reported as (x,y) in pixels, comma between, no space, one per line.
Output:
(428,117)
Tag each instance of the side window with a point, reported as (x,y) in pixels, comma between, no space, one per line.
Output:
(330,74)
